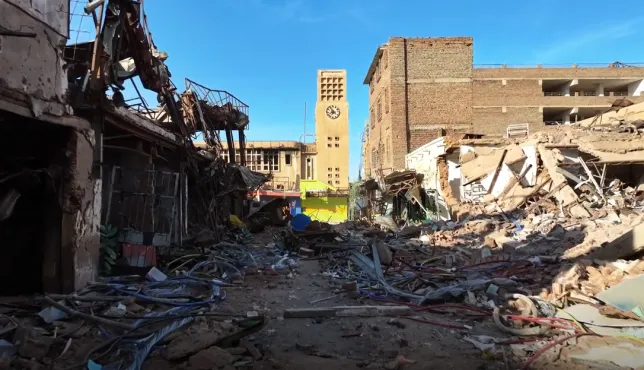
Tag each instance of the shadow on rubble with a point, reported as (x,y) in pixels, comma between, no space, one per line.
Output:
(569,267)
(552,243)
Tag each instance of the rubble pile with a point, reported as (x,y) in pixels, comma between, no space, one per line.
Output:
(544,236)
(485,270)
(172,317)
(540,243)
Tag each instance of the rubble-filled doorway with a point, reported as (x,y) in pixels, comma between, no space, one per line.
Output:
(33,164)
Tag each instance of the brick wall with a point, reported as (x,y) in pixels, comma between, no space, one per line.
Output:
(447,95)
(493,121)
(432,58)
(439,89)
(513,92)
(422,137)
(440,104)
(561,73)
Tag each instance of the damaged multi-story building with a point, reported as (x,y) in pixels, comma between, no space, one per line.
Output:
(77,155)
(424,88)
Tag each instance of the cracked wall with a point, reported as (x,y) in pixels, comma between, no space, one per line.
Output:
(32,67)
(81,214)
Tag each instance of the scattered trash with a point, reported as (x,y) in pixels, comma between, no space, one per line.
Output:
(155,275)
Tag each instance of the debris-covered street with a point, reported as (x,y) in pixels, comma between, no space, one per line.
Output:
(495,220)
(541,285)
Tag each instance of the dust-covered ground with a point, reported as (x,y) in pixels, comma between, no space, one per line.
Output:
(424,341)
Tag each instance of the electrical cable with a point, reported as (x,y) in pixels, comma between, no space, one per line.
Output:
(549,346)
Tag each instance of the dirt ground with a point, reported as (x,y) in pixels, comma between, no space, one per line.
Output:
(422,341)
(355,342)
(367,342)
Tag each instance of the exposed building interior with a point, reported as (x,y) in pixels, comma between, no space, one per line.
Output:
(34,167)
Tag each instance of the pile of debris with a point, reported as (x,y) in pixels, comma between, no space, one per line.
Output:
(545,236)
(578,170)
(174,316)
(487,268)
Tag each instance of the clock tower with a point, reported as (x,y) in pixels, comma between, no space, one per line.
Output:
(332,128)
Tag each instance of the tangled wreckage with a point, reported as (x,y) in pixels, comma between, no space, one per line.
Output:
(127,247)
(92,159)
(548,228)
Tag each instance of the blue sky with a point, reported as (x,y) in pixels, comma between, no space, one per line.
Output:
(267,52)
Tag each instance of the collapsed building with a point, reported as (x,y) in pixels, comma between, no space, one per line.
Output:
(587,174)
(461,172)
(77,155)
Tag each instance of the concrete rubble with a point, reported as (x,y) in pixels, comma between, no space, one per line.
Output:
(480,254)
(505,282)
(543,234)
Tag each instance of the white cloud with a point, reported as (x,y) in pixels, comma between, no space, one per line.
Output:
(601,35)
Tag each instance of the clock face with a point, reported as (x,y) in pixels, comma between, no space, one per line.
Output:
(332,111)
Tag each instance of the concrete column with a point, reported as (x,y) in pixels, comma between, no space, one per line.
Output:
(242,147)
(565,117)
(636,88)
(80,234)
(599,89)
(565,89)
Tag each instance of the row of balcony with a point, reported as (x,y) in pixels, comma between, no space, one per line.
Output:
(585,93)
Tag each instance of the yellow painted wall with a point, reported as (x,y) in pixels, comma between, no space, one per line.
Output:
(324,209)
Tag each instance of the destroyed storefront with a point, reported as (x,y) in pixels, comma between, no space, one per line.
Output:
(221,189)
(48,214)
(48,220)
(158,188)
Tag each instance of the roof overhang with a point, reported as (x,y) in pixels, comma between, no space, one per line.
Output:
(139,126)
(373,65)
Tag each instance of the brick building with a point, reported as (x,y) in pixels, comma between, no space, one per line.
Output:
(423,88)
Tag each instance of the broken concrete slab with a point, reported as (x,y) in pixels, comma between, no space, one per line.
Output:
(517,195)
(623,246)
(564,193)
(602,353)
(386,257)
(185,346)
(32,344)
(503,178)
(627,295)
(486,164)
(530,164)
(300,313)
(579,211)
(372,311)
